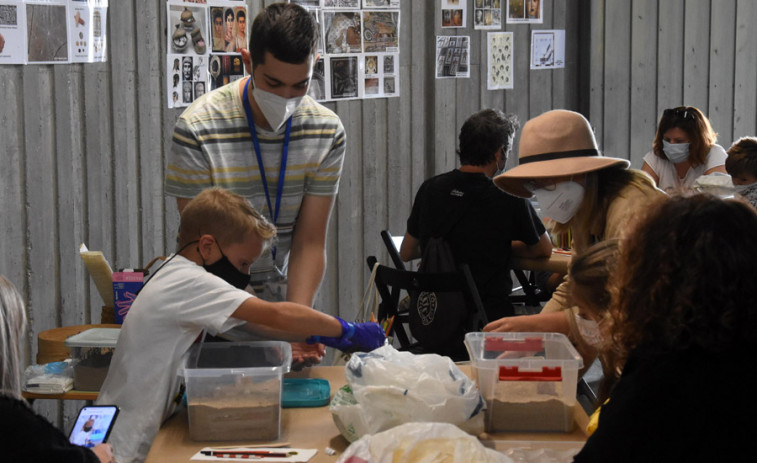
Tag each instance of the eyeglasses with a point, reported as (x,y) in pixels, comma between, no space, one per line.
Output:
(680,113)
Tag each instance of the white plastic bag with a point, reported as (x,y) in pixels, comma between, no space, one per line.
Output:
(387,388)
(421,443)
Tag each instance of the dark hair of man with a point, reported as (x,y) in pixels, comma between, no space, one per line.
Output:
(217,14)
(742,157)
(240,14)
(229,12)
(483,134)
(286,30)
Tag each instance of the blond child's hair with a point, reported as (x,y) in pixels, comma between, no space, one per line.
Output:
(227,216)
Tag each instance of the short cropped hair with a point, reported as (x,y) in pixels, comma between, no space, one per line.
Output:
(483,134)
(742,157)
(228,217)
(697,128)
(286,30)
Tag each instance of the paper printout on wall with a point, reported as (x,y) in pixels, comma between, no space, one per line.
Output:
(500,60)
(547,49)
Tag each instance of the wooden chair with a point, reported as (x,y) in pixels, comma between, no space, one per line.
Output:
(390,283)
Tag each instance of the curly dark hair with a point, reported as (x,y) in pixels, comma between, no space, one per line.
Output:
(687,278)
(742,157)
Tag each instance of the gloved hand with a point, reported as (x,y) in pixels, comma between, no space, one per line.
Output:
(363,337)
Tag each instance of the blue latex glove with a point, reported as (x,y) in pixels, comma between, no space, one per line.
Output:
(363,337)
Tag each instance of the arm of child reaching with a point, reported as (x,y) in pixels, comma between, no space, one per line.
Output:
(301,323)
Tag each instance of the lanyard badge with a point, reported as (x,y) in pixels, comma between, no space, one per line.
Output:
(273,212)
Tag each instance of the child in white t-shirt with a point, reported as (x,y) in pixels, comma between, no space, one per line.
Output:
(201,288)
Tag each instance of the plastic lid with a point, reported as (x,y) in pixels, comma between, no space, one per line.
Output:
(94,337)
(305,392)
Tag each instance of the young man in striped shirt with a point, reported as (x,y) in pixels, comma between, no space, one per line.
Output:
(262,137)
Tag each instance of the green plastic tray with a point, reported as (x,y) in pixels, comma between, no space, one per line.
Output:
(305,392)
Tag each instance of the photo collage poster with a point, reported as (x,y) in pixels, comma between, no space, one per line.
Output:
(454,13)
(524,11)
(452,56)
(499,46)
(359,49)
(487,14)
(53,31)
(205,40)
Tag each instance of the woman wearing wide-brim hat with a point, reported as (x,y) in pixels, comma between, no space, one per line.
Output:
(595,196)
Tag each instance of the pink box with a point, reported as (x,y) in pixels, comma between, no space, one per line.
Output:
(126,285)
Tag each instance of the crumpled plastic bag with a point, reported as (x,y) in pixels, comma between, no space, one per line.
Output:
(49,378)
(387,388)
(716,183)
(421,443)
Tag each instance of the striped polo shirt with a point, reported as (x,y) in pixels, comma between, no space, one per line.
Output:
(212,146)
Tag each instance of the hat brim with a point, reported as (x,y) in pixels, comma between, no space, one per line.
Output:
(513,180)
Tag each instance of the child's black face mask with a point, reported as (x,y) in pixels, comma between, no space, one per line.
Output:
(225,270)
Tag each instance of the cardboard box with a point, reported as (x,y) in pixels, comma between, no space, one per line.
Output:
(126,285)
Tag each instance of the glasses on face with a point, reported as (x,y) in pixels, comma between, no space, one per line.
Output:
(680,113)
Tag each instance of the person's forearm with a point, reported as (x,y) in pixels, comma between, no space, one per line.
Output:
(307,265)
(287,320)
(543,248)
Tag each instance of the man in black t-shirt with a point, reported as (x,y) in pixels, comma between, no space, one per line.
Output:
(483,225)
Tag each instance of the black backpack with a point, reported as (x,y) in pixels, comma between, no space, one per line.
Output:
(437,319)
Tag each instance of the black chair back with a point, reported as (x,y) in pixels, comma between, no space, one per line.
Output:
(390,283)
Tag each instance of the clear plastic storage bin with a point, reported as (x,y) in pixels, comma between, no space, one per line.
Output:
(527,379)
(234,389)
(92,351)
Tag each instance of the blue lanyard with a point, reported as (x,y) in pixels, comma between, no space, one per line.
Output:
(274,213)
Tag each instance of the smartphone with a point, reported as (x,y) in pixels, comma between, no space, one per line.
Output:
(93,425)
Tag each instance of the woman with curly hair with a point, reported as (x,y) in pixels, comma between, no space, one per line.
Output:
(684,311)
(684,149)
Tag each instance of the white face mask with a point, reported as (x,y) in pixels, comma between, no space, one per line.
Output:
(589,330)
(560,202)
(276,109)
(676,152)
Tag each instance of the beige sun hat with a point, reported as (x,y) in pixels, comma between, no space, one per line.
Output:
(554,144)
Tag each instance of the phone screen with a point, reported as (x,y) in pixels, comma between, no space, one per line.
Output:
(93,425)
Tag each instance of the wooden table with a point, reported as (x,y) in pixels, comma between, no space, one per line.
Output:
(314,428)
(70,395)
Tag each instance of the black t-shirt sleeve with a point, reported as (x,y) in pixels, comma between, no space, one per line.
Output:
(415,219)
(530,227)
